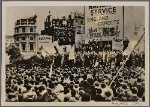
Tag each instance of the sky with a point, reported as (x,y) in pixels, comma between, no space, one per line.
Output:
(15,13)
(133,14)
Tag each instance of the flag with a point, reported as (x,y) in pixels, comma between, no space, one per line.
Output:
(130,47)
(132,44)
(50,49)
(71,53)
(43,52)
(47,50)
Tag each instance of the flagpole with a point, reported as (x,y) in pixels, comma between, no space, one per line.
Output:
(123,21)
(127,58)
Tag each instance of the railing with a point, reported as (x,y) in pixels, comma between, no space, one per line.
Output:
(25,32)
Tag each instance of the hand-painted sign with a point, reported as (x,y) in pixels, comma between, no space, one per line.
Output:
(44,39)
(104,21)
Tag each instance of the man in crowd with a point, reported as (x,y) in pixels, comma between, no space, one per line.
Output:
(125,43)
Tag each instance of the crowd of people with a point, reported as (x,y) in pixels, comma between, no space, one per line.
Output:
(105,58)
(92,75)
(94,45)
(76,83)
(99,45)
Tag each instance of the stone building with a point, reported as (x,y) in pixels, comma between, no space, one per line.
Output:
(25,36)
(65,30)
(9,41)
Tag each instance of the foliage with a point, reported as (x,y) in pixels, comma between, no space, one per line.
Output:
(14,53)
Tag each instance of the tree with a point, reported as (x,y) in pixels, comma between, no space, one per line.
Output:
(15,54)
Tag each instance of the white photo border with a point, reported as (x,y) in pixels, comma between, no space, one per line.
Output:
(5,4)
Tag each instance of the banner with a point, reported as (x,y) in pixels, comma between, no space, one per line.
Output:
(44,40)
(133,44)
(117,45)
(104,22)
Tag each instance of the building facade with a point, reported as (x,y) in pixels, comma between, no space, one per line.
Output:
(9,41)
(79,22)
(25,36)
(65,30)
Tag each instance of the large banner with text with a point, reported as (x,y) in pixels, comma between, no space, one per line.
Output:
(104,22)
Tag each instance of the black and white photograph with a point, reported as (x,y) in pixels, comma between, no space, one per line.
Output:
(68,53)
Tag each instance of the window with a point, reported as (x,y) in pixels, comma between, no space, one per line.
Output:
(23,38)
(31,22)
(27,29)
(16,30)
(17,39)
(20,30)
(23,46)
(23,29)
(79,30)
(76,20)
(82,22)
(31,29)
(34,29)
(31,37)
(31,47)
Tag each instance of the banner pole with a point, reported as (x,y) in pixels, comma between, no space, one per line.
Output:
(127,58)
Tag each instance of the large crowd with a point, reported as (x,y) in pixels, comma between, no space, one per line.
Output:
(85,79)
(95,73)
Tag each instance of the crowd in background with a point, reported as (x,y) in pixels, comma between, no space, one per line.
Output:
(94,45)
(98,45)
(105,58)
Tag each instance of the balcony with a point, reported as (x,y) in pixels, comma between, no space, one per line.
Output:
(26,32)
(24,25)
(16,24)
(31,40)
(31,23)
